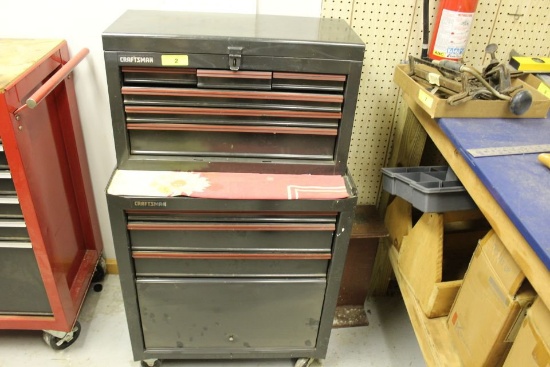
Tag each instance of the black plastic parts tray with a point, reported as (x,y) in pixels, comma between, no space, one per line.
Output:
(428,188)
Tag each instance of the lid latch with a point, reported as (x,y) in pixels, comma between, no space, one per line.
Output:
(235,57)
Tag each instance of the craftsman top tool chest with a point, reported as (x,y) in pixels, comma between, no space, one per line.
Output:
(234,93)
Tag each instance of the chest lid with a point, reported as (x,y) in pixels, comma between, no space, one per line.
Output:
(251,34)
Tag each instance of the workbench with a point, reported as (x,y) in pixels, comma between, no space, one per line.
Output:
(512,192)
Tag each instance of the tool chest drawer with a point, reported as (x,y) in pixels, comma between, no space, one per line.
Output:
(273,94)
(232,244)
(13,230)
(6,183)
(19,270)
(227,315)
(9,207)
(231,123)
(233,232)
(3,161)
(230,264)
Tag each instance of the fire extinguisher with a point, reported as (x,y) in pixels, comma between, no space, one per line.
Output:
(452,29)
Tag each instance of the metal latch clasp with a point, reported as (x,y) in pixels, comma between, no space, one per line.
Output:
(235,55)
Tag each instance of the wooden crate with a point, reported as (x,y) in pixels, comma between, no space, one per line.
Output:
(435,254)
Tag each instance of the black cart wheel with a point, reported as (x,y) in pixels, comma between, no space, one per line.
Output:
(59,341)
(100,271)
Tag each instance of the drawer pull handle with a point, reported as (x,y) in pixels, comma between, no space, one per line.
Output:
(228,227)
(19,245)
(233,75)
(301,76)
(221,93)
(231,112)
(233,128)
(5,175)
(57,78)
(227,256)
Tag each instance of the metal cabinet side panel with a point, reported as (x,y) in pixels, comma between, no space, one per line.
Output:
(114,83)
(334,274)
(126,274)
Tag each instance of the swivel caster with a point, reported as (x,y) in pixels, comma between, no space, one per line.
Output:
(99,274)
(58,340)
(151,363)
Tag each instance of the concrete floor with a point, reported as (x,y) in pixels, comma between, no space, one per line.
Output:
(104,341)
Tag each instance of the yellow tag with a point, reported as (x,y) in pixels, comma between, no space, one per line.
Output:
(439,53)
(174,60)
(543,88)
(425,98)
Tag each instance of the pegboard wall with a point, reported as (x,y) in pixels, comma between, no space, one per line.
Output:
(391,31)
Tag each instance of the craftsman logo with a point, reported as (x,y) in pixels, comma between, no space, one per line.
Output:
(136,59)
(149,204)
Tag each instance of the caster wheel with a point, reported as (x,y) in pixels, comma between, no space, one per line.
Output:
(304,362)
(100,271)
(151,363)
(59,340)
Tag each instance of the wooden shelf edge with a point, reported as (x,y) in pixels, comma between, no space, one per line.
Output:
(432,334)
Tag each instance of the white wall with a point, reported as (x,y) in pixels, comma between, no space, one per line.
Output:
(81,24)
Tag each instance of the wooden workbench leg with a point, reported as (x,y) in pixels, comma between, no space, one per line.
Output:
(410,139)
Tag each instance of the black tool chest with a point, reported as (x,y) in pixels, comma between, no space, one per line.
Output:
(207,278)
(240,93)
(223,278)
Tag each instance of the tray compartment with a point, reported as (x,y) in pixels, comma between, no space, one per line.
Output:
(429,188)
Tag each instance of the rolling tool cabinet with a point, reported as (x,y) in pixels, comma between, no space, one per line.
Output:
(50,244)
(234,278)
(259,110)
(234,93)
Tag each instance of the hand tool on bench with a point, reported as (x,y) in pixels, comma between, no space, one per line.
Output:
(460,83)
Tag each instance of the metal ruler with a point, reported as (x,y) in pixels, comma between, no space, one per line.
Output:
(513,150)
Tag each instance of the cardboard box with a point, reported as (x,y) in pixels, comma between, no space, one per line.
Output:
(537,83)
(532,345)
(435,254)
(489,306)
(437,107)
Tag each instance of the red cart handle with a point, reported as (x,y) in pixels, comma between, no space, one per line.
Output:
(57,78)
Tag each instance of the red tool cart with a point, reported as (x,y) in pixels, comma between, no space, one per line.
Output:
(50,245)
